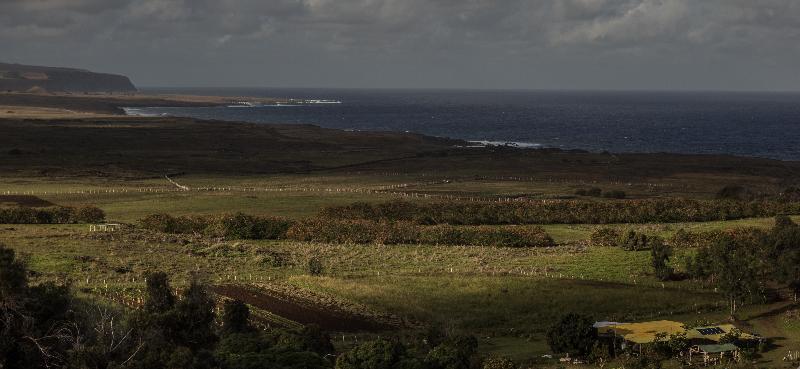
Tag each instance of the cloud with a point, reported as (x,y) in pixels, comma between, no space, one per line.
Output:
(567,38)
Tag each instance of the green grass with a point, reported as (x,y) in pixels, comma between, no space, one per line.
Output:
(510,306)
(506,296)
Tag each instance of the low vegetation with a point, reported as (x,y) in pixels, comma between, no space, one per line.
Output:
(241,226)
(392,233)
(667,210)
(51,215)
(237,226)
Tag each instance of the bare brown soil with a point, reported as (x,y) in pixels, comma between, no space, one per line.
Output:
(302,312)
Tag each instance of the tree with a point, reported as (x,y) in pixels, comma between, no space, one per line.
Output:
(176,334)
(235,316)
(736,265)
(378,354)
(194,315)
(660,253)
(159,295)
(573,334)
(34,329)
(785,250)
(789,271)
(633,241)
(454,353)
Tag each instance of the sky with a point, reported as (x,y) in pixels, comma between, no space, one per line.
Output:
(491,44)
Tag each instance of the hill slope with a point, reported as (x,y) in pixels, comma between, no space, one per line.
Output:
(20,78)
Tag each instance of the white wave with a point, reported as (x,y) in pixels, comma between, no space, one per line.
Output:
(523,145)
(140,112)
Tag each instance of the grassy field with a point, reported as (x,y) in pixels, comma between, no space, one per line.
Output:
(506,296)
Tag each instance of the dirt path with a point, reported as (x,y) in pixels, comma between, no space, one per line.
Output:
(301,312)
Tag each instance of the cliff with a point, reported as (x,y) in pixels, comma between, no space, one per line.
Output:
(26,78)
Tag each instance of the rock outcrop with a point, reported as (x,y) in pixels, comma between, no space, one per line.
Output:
(26,78)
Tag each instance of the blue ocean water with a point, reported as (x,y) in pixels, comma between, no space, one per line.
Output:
(739,123)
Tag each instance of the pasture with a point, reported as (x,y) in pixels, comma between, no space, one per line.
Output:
(506,296)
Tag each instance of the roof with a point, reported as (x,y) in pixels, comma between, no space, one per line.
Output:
(605,324)
(715,333)
(643,332)
(714,349)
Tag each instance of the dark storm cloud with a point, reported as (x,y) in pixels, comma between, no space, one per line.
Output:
(725,44)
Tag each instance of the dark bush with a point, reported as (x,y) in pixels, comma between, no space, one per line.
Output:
(685,239)
(238,225)
(661,210)
(594,192)
(315,266)
(660,254)
(89,214)
(791,194)
(51,215)
(169,224)
(513,236)
(248,227)
(633,241)
(782,221)
(367,232)
(604,237)
(616,194)
(573,334)
(735,192)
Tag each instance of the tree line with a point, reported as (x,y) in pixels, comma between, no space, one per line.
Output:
(743,264)
(51,215)
(666,210)
(346,231)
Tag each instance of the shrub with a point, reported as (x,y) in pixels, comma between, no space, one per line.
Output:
(378,354)
(315,267)
(660,210)
(366,232)
(335,231)
(685,239)
(791,194)
(614,194)
(52,215)
(782,221)
(604,237)
(248,227)
(633,241)
(237,225)
(169,224)
(454,353)
(89,214)
(660,254)
(573,334)
(594,192)
(513,236)
(63,215)
(735,192)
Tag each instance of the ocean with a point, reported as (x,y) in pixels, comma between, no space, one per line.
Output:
(758,124)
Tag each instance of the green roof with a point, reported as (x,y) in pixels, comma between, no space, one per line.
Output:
(713,349)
